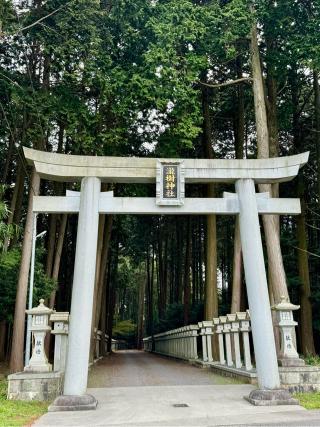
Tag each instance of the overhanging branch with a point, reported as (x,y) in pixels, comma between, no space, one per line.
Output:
(232,82)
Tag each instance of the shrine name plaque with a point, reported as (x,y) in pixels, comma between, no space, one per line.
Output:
(170,182)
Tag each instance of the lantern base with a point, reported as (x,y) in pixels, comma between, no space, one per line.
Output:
(73,403)
(291,362)
(38,367)
(263,397)
(35,385)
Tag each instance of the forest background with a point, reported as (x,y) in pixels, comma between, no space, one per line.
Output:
(166,78)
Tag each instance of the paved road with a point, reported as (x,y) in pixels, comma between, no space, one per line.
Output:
(132,368)
(136,389)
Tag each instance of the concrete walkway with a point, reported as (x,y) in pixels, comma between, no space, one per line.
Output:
(133,368)
(139,389)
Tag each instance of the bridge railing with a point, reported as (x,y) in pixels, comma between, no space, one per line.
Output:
(60,330)
(180,343)
(233,341)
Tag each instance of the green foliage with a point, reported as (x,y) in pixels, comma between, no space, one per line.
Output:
(9,271)
(173,317)
(124,329)
(6,231)
(312,360)
(308,400)
(16,413)
(124,78)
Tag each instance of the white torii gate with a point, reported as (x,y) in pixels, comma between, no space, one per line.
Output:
(91,202)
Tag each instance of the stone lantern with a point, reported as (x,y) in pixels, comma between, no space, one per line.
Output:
(39,328)
(288,354)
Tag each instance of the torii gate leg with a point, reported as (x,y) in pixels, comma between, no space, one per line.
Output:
(76,374)
(258,298)
(257,288)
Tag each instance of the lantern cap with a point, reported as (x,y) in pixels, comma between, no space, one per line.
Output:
(41,309)
(285,305)
(60,316)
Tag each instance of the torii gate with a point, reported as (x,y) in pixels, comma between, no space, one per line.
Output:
(170,176)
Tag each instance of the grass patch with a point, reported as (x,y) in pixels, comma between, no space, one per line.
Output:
(312,360)
(309,400)
(18,412)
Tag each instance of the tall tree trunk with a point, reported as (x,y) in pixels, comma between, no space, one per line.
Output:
(316,90)
(142,286)
(7,164)
(103,266)
(239,145)
(275,261)
(17,348)
(211,292)
(17,193)
(237,270)
(18,206)
(307,342)
(3,335)
(57,258)
(178,298)
(51,244)
(103,320)
(101,232)
(187,265)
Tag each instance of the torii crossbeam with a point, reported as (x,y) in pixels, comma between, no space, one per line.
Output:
(170,176)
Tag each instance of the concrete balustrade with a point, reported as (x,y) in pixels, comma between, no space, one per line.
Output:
(98,343)
(233,340)
(230,329)
(180,343)
(60,330)
(206,332)
(114,344)
(147,344)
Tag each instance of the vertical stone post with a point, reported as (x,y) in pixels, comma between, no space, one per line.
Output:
(227,339)
(60,331)
(208,332)
(243,318)
(204,342)
(219,332)
(257,291)
(194,330)
(236,342)
(76,374)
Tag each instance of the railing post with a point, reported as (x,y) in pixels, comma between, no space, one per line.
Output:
(194,334)
(236,344)
(244,319)
(60,331)
(227,338)
(208,332)
(204,342)
(219,332)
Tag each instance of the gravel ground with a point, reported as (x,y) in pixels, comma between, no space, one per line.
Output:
(131,368)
